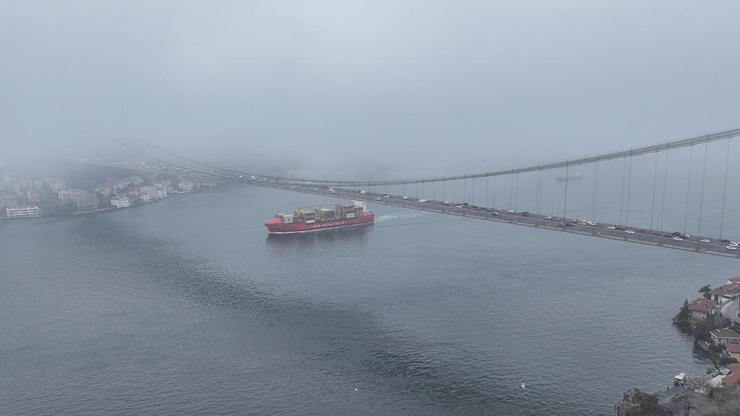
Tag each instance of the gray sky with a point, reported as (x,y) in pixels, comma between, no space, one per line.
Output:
(421,86)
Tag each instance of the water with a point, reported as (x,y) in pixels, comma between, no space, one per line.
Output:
(186,307)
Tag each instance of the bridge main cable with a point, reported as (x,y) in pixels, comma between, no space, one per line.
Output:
(709,138)
(727,134)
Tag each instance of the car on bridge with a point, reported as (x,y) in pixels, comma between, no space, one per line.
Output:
(682,235)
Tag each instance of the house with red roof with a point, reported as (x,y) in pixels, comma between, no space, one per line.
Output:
(733,351)
(725,293)
(701,309)
(733,280)
(733,378)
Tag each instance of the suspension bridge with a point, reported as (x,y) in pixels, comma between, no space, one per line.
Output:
(683,199)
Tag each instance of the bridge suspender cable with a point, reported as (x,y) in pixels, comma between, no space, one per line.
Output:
(565,192)
(724,191)
(629,192)
(703,183)
(594,191)
(688,190)
(665,183)
(493,197)
(621,194)
(655,184)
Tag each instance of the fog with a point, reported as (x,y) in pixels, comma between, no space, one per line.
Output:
(330,88)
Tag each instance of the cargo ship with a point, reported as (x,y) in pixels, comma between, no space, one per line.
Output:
(311,219)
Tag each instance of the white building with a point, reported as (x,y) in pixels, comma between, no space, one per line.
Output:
(23,212)
(85,201)
(33,195)
(153,192)
(185,186)
(65,196)
(160,191)
(146,193)
(120,202)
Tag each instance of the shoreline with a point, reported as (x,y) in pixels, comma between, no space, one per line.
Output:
(713,322)
(107,209)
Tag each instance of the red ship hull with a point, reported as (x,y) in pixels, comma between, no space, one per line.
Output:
(277,226)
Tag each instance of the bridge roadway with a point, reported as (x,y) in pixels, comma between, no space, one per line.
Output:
(569,225)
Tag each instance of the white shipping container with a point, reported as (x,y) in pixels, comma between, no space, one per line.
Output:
(350,215)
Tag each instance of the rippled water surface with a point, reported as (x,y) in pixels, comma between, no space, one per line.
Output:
(186,307)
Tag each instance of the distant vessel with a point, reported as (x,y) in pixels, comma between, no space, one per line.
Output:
(312,219)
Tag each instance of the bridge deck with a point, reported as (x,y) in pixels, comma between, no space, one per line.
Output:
(640,236)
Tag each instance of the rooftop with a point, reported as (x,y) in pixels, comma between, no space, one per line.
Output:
(725,333)
(728,289)
(734,376)
(735,349)
(701,305)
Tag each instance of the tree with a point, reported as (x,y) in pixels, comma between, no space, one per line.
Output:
(684,312)
(705,289)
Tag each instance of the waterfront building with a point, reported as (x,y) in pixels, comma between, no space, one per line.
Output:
(725,293)
(33,195)
(64,196)
(8,201)
(701,309)
(724,336)
(160,191)
(153,192)
(23,212)
(121,201)
(85,201)
(733,351)
(185,186)
(146,193)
